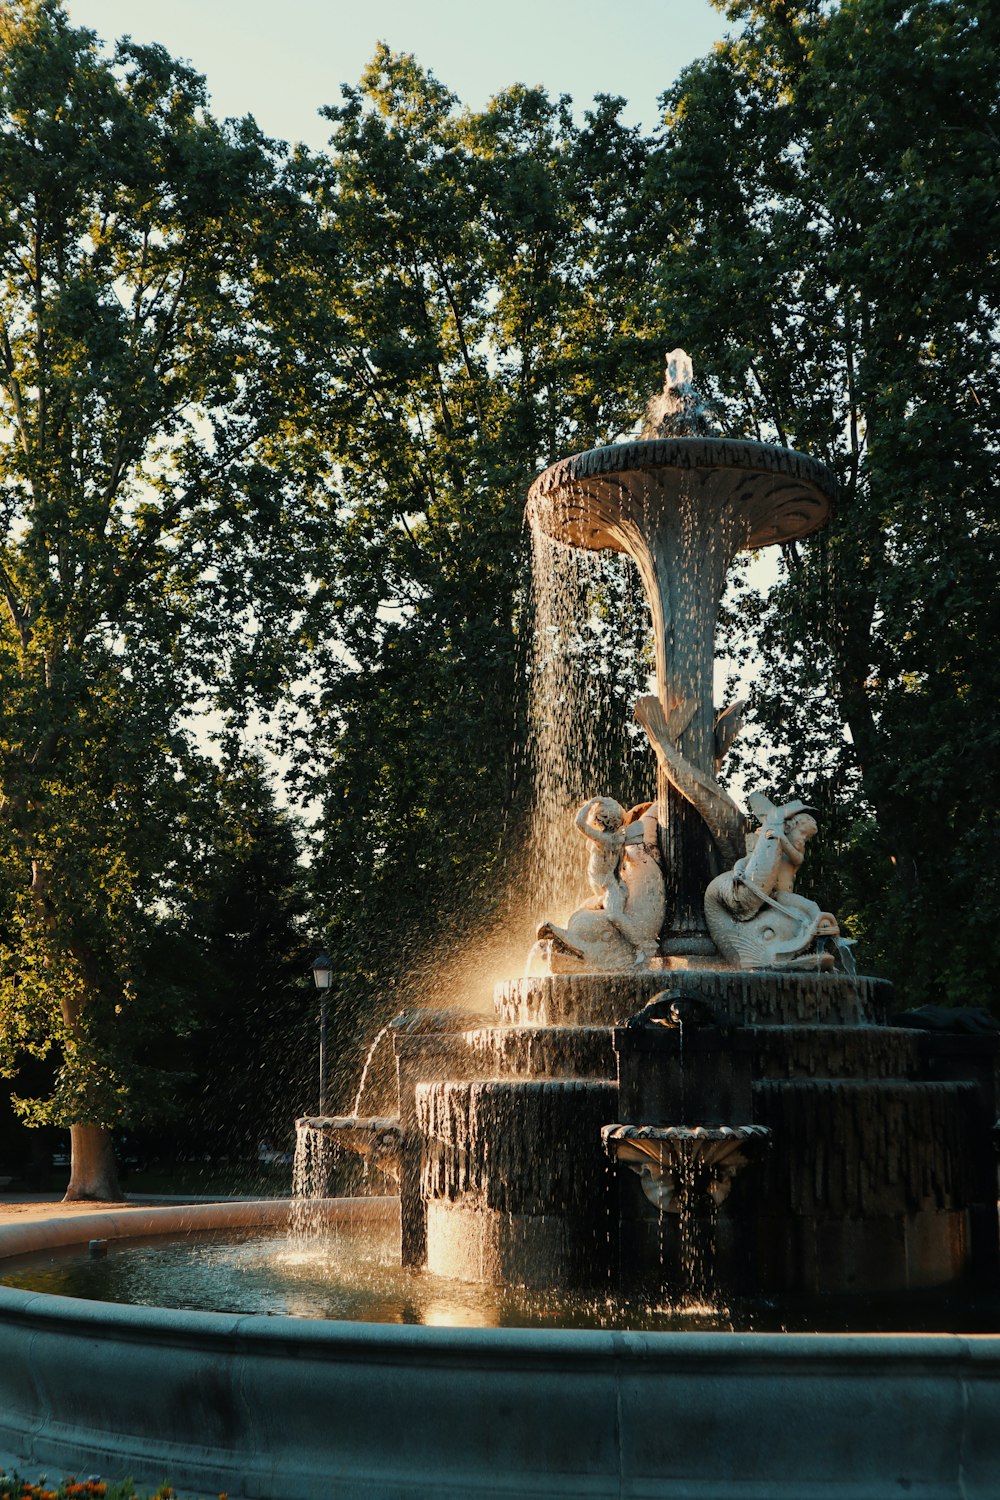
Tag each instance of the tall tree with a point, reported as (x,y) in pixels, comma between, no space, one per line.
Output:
(474,313)
(150,529)
(235,956)
(830,179)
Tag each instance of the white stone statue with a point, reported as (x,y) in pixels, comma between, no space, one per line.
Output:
(602,820)
(678,410)
(619,928)
(754,916)
(720,813)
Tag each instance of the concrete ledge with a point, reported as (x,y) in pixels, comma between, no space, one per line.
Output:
(304,1410)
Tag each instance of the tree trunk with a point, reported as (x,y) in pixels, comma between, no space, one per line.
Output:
(898,821)
(93,1173)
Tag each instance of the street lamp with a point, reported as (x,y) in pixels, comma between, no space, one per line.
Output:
(322,973)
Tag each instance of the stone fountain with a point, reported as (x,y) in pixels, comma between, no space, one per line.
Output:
(695,1087)
(694,1043)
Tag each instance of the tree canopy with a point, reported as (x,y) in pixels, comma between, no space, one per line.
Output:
(831,181)
(474,313)
(150,532)
(267,422)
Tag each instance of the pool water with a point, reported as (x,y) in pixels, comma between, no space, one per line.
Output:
(352,1274)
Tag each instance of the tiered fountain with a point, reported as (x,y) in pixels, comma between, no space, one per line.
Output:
(692,1082)
(694,1043)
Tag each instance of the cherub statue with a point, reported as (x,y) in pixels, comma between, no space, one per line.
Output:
(618,929)
(602,820)
(775,853)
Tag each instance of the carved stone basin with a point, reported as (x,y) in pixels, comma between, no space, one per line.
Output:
(379,1141)
(606,496)
(680,1164)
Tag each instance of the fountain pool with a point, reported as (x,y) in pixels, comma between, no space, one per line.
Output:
(308,1409)
(351,1273)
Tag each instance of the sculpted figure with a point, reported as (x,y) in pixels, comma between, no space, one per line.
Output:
(754,916)
(664,728)
(602,820)
(596,939)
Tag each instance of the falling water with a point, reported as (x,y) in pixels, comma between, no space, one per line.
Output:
(846,961)
(356,1108)
(311,1170)
(696,1219)
(588,609)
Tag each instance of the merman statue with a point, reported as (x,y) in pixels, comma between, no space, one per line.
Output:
(754,916)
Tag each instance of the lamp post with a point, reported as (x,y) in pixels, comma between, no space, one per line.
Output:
(322,973)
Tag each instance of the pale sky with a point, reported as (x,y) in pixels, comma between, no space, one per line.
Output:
(281,62)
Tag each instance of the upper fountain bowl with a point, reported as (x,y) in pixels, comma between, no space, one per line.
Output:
(593,499)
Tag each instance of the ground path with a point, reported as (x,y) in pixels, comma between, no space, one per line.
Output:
(37,1206)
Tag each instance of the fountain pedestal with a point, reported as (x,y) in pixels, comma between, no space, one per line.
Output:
(682,508)
(879,1177)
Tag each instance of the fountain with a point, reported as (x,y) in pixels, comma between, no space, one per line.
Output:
(692,1094)
(763,1094)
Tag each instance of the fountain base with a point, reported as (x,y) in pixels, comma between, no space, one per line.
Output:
(881,1176)
(224,1402)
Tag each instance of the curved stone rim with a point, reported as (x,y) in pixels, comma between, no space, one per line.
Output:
(256,1405)
(685,453)
(615,1133)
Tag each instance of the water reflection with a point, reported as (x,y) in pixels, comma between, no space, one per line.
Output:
(354,1275)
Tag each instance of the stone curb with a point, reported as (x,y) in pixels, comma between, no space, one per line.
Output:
(302,1410)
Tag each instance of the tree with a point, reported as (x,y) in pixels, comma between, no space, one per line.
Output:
(830,179)
(472,304)
(234,960)
(151,524)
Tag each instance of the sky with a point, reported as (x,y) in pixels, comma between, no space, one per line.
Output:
(281,62)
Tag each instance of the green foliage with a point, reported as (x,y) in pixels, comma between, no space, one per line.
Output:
(472,316)
(151,519)
(831,173)
(240,966)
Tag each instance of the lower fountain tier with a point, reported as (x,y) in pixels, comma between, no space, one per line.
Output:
(515,1182)
(587,1052)
(527,1147)
(879,1176)
(869,1148)
(735,997)
(800,1051)
(549,1052)
(878,1186)
(873,1186)
(857,1052)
